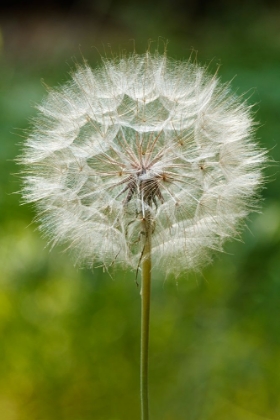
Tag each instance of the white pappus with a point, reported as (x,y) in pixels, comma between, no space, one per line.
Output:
(143,136)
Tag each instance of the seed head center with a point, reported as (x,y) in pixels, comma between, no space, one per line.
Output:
(144,184)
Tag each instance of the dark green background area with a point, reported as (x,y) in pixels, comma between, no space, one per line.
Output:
(69,346)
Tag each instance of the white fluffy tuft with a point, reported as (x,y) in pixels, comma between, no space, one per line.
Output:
(143,135)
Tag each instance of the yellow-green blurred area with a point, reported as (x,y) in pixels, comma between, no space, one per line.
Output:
(70,338)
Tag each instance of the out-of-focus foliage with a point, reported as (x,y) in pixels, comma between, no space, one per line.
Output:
(69,346)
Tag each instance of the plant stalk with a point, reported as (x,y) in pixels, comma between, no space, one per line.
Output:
(145,320)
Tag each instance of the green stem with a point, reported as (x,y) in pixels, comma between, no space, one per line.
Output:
(145,320)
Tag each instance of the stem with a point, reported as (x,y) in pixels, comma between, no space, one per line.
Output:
(145,320)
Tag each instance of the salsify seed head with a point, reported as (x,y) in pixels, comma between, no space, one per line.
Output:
(142,136)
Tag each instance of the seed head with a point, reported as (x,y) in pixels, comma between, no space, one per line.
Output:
(142,137)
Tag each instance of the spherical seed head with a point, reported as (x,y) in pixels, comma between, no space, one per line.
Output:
(142,136)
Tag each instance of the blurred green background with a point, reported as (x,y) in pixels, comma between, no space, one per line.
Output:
(69,346)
